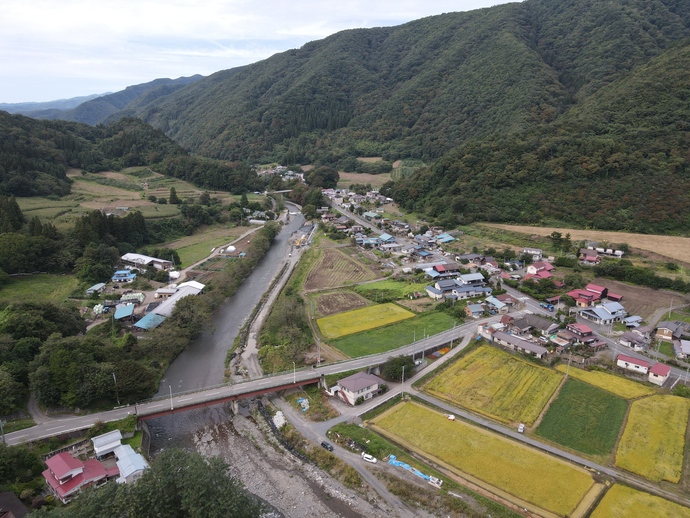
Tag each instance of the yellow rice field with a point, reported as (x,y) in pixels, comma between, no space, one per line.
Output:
(371,317)
(622,387)
(527,474)
(653,442)
(626,502)
(497,384)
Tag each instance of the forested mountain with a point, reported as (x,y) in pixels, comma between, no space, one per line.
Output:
(60,104)
(97,110)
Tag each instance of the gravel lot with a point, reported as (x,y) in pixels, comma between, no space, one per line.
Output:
(293,488)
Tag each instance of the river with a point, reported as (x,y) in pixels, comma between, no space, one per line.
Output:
(202,363)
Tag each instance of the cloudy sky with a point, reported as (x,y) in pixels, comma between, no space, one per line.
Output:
(55,49)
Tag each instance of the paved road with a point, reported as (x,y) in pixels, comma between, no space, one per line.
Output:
(202,363)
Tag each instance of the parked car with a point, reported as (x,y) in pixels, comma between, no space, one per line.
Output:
(521,428)
(418,361)
(327,445)
(369,458)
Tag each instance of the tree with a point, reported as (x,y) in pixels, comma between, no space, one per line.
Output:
(244,201)
(556,240)
(10,393)
(393,368)
(173,199)
(205,198)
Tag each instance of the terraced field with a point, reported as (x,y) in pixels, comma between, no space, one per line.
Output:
(618,385)
(497,384)
(334,269)
(525,473)
(653,442)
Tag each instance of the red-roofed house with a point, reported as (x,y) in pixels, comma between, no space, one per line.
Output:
(584,298)
(581,330)
(659,373)
(540,266)
(602,291)
(66,476)
(632,364)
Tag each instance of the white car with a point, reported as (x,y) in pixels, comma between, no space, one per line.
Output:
(369,458)
(521,428)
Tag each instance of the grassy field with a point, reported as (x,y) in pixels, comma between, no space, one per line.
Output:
(669,246)
(584,418)
(41,287)
(376,180)
(333,268)
(653,442)
(390,287)
(626,502)
(620,386)
(394,335)
(359,320)
(495,383)
(196,247)
(528,474)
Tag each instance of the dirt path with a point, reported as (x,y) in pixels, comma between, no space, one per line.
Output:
(35,412)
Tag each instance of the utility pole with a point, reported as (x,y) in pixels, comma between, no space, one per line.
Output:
(2,428)
(567,370)
(116,394)
(171,403)
(402,392)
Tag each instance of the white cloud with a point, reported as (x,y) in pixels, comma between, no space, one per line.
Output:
(54,49)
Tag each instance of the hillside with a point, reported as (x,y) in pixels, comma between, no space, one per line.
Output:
(419,89)
(97,110)
(60,104)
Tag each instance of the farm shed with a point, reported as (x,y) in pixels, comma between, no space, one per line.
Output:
(106,443)
(659,373)
(124,311)
(632,364)
(144,261)
(150,321)
(514,343)
(96,288)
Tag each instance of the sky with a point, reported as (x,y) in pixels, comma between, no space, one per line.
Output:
(58,49)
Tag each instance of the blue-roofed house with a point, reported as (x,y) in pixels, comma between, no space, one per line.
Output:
(446,285)
(444,238)
(496,305)
(434,293)
(605,313)
(474,310)
(123,276)
(387,238)
(131,464)
(467,292)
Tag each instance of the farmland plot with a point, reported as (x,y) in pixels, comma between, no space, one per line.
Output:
(584,418)
(528,474)
(497,384)
(626,502)
(333,269)
(358,320)
(620,386)
(653,442)
(337,302)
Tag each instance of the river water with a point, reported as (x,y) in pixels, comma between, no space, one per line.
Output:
(202,363)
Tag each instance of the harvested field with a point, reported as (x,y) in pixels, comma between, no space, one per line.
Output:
(653,443)
(338,302)
(618,385)
(668,246)
(376,180)
(351,322)
(394,335)
(525,473)
(642,301)
(334,269)
(584,418)
(497,384)
(390,289)
(626,502)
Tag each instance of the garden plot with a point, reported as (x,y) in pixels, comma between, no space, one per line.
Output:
(516,469)
(338,302)
(653,443)
(584,418)
(620,386)
(334,269)
(495,383)
(626,502)
(358,320)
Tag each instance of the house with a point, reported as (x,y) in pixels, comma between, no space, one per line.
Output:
(496,306)
(644,331)
(386,239)
(471,279)
(535,253)
(632,321)
(605,313)
(517,344)
(659,373)
(601,291)
(467,292)
(681,348)
(584,298)
(632,364)
(540,268)
(96,288)
(359,385)
(528,322)
(67,476)
(371,215)
(589,256)
(11,506)
(446,285)
(123,276)
(633,340)
(144,261)
(474,310)
(507,299)
(434,293)
(582,331)
(106,443)
(130,464)
(668,331)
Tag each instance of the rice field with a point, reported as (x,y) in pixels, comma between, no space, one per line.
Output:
(653,443)
(497,384)
(525,473)
(618,385)
(584,418)
(355,321)
(626,502)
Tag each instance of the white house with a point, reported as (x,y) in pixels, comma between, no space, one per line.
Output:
(535,253)
(659,373)
(131,464)
(681,348)
(106,443)
(632,364)
(359,385)
(605,313)
(144,261)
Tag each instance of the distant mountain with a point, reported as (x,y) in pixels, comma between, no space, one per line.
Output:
(61,104)
(99,109)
